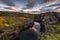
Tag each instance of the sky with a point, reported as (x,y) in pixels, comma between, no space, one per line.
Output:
(32,5)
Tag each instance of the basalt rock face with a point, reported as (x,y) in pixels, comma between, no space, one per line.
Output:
(51,17)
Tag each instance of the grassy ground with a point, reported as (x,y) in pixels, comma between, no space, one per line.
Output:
(54,35)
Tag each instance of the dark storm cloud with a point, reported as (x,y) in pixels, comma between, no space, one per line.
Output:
(50,1)
(54,5)
(8,2)
(43,1)
(30,3)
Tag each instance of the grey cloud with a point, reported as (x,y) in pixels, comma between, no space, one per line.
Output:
(47,1)
(8,2)
(54,5)
(30,3)
(44,1)
(58,8)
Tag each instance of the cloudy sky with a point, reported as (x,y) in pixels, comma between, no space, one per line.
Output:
(32,5)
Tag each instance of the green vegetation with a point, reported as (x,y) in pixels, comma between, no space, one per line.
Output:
(10,24)
(55,35)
